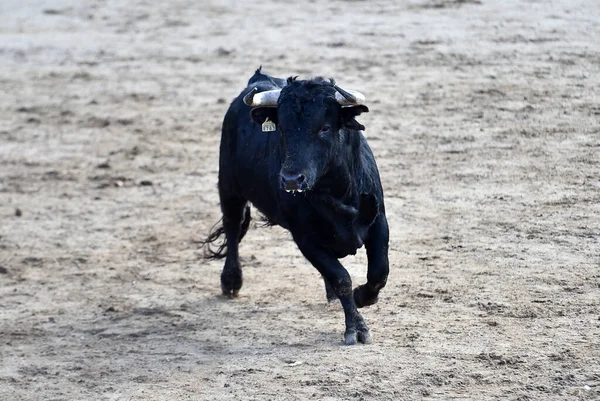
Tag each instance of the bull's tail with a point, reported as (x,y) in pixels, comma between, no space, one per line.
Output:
(215,245)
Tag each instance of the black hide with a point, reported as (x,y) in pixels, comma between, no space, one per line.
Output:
(319,144)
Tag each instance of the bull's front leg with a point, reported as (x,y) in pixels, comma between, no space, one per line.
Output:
(329,291)
(338,278)
(378,269)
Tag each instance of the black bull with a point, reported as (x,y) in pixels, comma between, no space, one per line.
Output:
(316,176)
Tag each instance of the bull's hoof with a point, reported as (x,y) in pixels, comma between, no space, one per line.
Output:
(231,282)
(351,337)
(364,296)
(229,292)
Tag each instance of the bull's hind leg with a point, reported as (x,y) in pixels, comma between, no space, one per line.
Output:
(236,217)
(378,269)
(341,284)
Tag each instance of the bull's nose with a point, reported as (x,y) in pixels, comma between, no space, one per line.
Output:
(292,181)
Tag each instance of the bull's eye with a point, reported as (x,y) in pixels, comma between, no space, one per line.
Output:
(325,130)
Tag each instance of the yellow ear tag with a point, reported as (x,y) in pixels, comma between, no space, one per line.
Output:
(268,126)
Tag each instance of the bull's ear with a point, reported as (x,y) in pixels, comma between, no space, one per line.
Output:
(260,114)
(347,117)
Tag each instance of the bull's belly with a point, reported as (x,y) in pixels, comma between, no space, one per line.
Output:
(342,237)
(344,242)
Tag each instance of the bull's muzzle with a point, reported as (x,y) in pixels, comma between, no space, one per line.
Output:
(292,182)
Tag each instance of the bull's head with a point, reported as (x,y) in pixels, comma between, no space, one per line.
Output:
(315,118)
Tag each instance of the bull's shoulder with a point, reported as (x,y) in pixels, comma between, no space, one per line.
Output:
(368,180)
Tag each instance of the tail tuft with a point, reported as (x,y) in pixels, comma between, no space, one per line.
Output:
(214,246)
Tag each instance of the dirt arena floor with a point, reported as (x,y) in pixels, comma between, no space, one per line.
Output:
(485,122)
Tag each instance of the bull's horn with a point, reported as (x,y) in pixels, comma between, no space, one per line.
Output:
(348,97)
(262,99)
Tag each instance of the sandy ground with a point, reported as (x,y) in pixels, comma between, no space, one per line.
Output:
(485,121)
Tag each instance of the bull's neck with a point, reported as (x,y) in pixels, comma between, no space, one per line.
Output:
(340,179)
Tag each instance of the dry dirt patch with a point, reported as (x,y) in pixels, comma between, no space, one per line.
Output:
(485,124)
